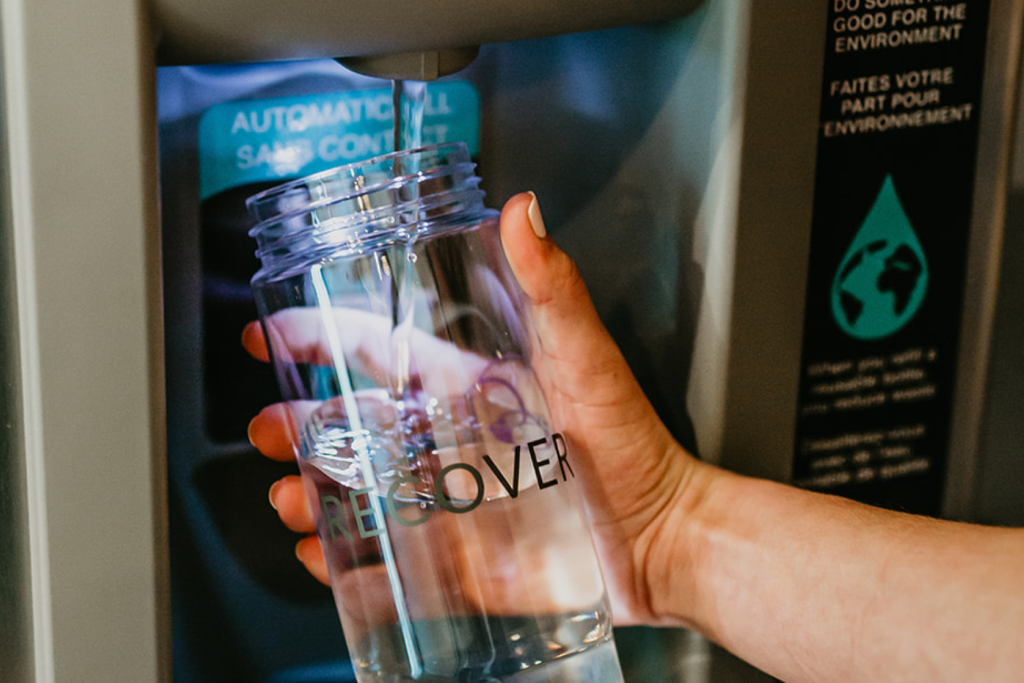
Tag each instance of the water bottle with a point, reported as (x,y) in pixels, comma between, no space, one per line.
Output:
(446,498)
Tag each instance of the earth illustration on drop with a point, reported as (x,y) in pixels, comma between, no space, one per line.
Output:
(881,282)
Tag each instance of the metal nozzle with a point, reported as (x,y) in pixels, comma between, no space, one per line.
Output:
(413,66)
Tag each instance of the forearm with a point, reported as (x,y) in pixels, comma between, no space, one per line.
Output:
(817,588)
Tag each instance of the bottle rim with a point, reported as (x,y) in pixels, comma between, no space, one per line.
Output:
(262,206)
(361,206)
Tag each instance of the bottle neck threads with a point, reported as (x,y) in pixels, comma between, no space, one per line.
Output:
(353,209)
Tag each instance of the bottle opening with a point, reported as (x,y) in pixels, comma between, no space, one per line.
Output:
(361,205)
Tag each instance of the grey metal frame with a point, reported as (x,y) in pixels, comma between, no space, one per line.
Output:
(83,473)
(995,154)
(83,567)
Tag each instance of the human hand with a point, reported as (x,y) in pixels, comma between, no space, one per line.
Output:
(636,478)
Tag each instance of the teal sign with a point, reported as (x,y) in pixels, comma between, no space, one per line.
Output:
(883,277)
(275,139)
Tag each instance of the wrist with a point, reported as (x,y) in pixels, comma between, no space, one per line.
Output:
(678,542)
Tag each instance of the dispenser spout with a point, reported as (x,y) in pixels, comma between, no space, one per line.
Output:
(413,66)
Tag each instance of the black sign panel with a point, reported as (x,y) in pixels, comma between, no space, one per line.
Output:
(893,197)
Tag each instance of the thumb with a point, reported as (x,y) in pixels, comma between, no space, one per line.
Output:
(566,319)
(544,271)
(594,394)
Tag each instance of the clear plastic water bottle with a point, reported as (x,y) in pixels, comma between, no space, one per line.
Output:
(446,498)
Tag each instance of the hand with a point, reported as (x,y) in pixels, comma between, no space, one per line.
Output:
(636,478)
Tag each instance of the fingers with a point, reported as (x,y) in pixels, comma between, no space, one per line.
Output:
(348,339)
(288,497)
(301,335)
(254,342)
(311,555)
(272,434)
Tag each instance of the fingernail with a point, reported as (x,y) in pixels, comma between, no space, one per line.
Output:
(300,551)
(248,333)
(253,429)
(536,220)
(273,489)
(254,342)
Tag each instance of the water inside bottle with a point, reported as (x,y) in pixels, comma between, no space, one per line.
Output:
(472,572)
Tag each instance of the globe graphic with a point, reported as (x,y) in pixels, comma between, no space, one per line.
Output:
(879,288)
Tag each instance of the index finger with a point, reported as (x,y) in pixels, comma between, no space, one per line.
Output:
(366,342)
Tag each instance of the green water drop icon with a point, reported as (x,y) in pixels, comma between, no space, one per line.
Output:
(882,279)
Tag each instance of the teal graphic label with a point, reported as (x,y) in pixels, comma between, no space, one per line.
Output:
(883,277)
(275,139)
